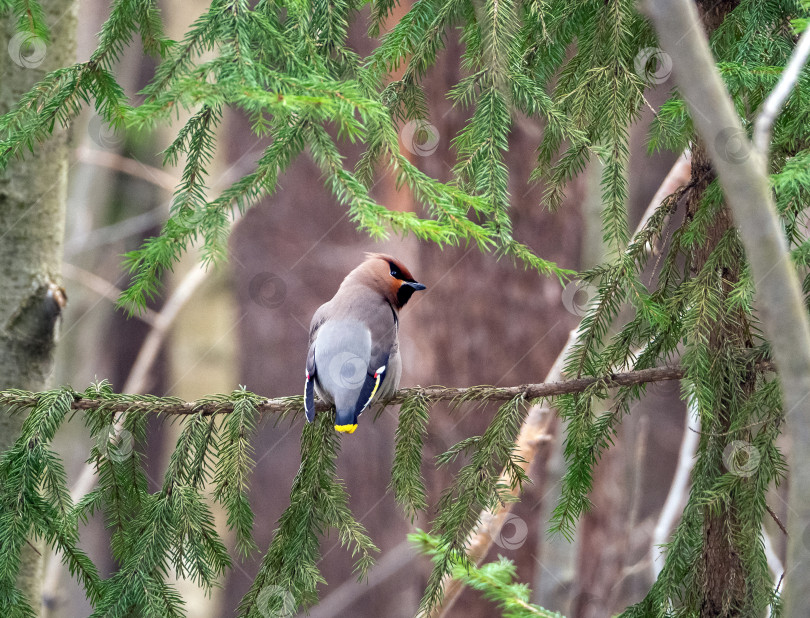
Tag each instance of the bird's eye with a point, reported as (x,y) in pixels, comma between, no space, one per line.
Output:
(395,273)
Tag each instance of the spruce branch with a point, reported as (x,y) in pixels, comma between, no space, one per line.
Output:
(406,472)
(285,405)
(533,433)
(160,323)
(494,580)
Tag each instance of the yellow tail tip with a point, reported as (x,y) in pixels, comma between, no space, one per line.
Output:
(346,428)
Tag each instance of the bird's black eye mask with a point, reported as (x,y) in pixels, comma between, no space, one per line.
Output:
(396,273)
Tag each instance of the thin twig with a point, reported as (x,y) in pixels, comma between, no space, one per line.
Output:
(126,165)
(776,100)
(103,288)
(117,232)
(34,547)
(138,375)
(777,520)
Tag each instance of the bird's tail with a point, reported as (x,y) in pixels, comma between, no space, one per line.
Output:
(346,421)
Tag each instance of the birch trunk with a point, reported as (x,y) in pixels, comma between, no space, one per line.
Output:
(32,213)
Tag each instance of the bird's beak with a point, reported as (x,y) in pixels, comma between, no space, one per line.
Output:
(414,285)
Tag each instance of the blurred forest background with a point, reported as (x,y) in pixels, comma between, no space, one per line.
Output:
(481,321)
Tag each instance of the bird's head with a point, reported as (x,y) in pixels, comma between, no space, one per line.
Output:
(389,277)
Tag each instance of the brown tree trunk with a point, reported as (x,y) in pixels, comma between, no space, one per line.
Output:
(720,568)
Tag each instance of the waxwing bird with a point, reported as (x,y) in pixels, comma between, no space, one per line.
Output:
(353,340)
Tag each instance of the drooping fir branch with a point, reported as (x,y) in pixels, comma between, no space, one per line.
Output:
(476,487)
(173,528)
(215,68)
(35,501)
(406,471)
(233,468)
(152,534)
(59,96)
(289,575)
(494,580)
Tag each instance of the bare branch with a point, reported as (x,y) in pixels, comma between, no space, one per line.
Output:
(776,100)
(776,519)
(125,165)
(138,375)
(103,288)
(678,490)
(338,602)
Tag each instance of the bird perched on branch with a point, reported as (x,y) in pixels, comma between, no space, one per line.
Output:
(353,340)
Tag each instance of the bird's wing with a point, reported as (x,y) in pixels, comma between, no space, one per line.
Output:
(383,330)
(312,371)
(370,386)
(309,387)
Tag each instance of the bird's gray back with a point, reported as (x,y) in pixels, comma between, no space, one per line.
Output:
(342,356)
(356,329)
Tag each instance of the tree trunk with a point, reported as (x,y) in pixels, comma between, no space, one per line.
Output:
(720,568)
(32,214)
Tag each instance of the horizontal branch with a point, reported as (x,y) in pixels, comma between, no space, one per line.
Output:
(433,393)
